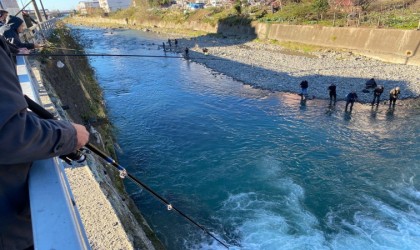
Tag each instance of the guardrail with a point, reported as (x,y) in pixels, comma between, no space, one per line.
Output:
(40,31)
(56,222)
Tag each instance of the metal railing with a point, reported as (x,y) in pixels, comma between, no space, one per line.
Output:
(56,222)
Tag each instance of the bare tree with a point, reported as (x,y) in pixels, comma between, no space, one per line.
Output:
(364,4)
(335,5)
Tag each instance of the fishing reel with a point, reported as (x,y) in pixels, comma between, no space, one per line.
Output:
(79,156)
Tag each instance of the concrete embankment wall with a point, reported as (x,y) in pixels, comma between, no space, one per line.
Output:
(396,46)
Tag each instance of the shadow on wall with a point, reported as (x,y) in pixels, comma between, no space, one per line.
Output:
(236,26)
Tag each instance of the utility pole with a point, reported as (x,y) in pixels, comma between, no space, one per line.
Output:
(43,10)
(38,15)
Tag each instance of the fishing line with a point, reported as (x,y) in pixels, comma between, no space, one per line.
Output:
(43,113)
(123,55)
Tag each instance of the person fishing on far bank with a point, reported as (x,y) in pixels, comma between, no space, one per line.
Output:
(393,96)
(304,89)
(377,94)
(350,99)
(333,92)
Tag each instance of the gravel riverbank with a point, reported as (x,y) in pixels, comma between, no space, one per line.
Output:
(275,68)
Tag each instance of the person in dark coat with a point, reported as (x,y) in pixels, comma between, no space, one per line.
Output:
(333,93)
(24,138)
(304,89)
(350,99)
(377,94)
(29,21)
(371,83)
(11,32)
(393,96)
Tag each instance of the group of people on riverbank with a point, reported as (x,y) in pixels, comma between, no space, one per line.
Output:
(352,97)
(173,46)
(170,44)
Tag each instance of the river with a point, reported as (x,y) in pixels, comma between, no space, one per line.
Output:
(257,168)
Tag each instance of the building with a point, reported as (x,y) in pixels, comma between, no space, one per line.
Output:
(87,7)
(216,3)
(195,6)
(10,5)
(114,5)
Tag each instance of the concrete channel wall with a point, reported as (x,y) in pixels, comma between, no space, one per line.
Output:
(396,46)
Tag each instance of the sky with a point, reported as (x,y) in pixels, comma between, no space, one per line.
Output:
(52,4)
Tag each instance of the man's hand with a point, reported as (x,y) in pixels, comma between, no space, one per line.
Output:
(24,51)
(82,135)
(39,46)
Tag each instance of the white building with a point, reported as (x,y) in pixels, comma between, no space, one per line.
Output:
(10,5)
(85,7)
(113,5)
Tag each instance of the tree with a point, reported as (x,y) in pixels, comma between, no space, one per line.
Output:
(159,2)
(364,4)
(238,7)
(335,5)
(320,7)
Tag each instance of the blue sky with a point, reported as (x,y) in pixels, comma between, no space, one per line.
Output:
(53,4)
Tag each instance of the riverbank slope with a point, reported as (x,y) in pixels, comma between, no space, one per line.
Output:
(115,223)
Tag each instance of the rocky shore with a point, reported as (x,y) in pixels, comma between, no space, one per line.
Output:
(271,67)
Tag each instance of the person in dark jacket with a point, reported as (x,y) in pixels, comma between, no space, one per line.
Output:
(24,138)
(333,92)
(29,21)
(13,49)
(371,83)
(304,89)
(11,32)
(350,99)
(393,96)
(377,94)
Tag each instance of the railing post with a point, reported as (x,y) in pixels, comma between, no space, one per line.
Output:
(38,15)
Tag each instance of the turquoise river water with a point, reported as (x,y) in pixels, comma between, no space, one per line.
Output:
(257,168)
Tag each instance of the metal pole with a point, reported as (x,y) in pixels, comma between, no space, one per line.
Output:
(43,10)
(38,15)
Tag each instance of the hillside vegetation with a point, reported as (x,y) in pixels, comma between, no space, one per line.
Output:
(400,14)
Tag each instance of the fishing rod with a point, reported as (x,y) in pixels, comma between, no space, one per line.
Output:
(23,8)
(43,113)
